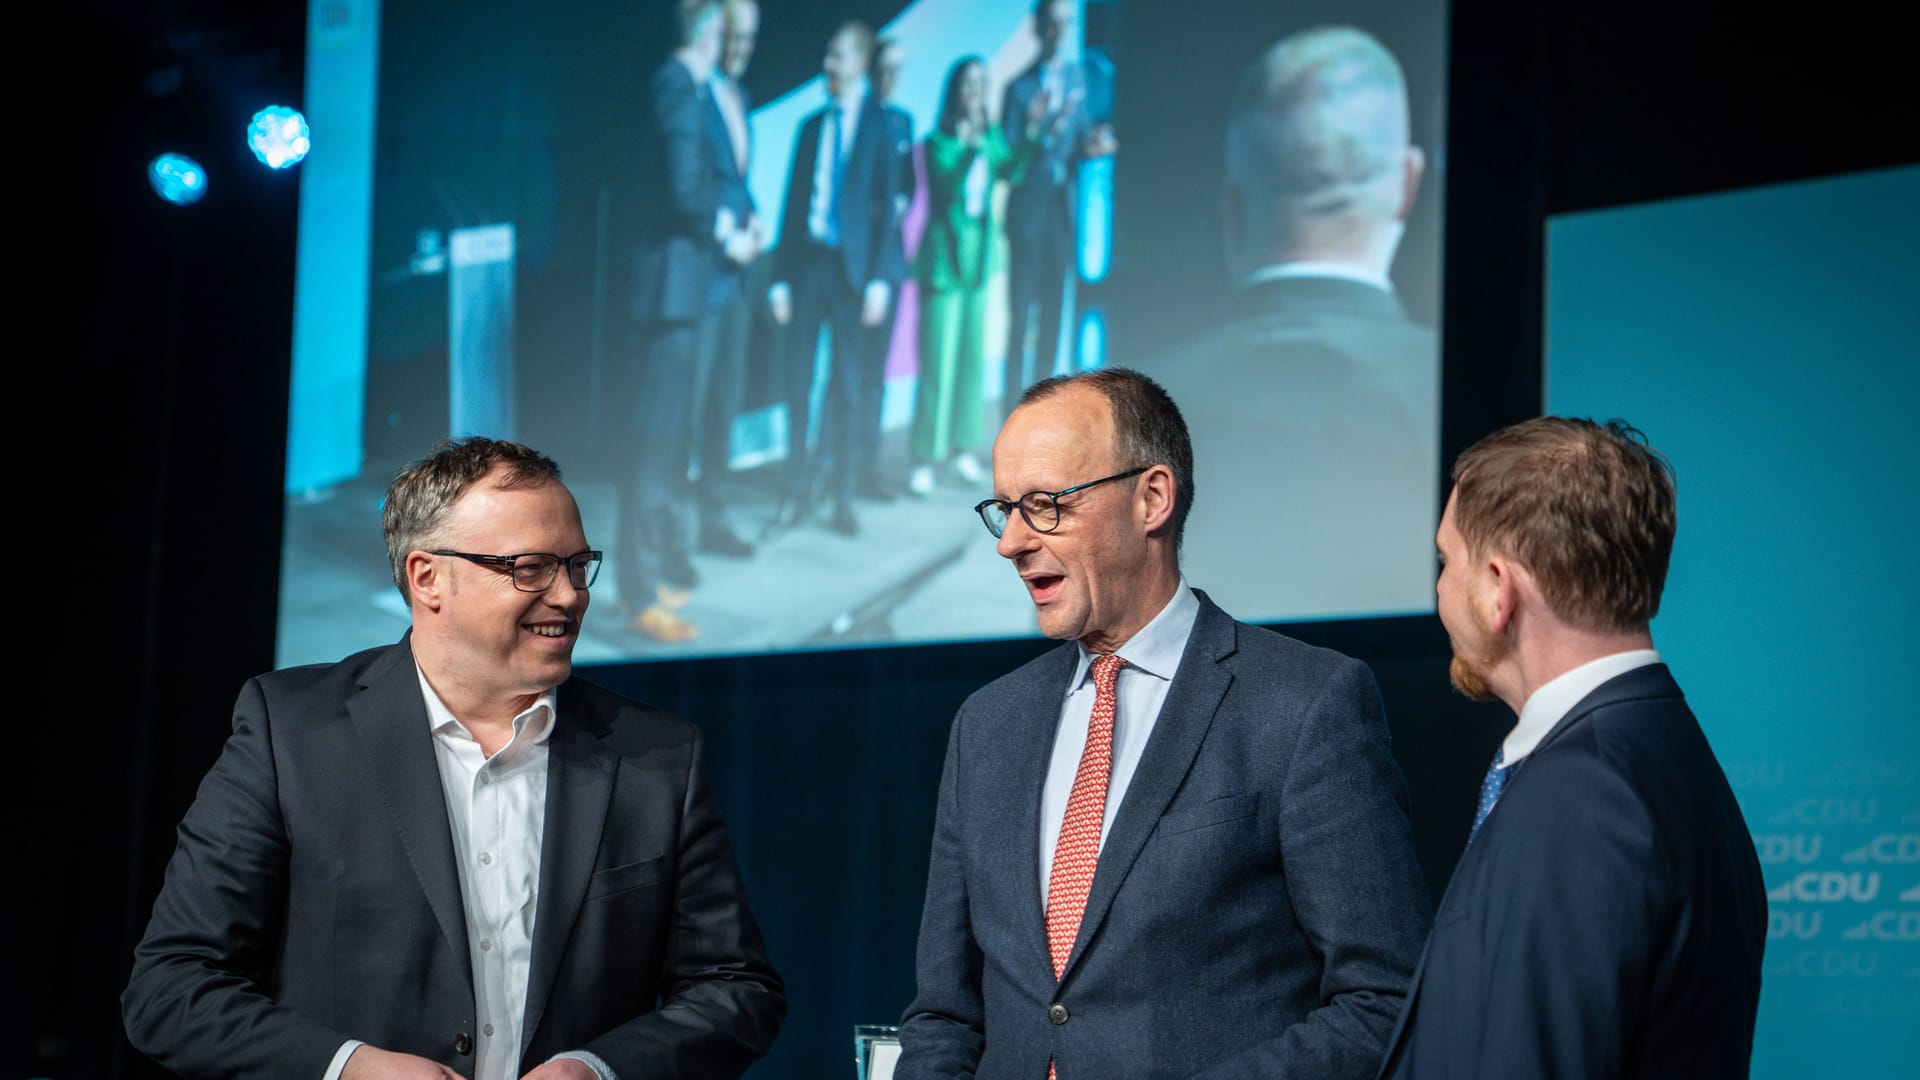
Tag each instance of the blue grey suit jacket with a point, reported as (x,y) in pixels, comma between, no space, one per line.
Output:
(1608,918)
(313,896)
(1256,911)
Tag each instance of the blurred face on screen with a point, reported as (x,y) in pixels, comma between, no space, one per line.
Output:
(1476,649)
(845,63)
(742,32)
(886,70)
(1089,578)
(705,46)
(1053,24)
(497,642)
(973,94)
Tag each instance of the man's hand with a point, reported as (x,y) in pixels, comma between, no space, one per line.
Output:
(780,299)
(1100,142)
(373,1063)
(563,1069)
(873,306)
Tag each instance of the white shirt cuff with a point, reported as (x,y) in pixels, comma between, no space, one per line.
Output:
(592,1061)
(340,1056)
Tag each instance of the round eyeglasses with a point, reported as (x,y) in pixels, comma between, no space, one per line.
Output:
(1041,509)
(535,571)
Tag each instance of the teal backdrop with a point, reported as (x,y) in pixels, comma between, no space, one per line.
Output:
(1768,340)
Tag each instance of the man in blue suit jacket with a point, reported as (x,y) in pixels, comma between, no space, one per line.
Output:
(1254,907)
(839,253)
(1608,917)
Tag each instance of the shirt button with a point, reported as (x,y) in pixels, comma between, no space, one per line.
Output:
(486,858)
(486,945)
(487,1031)
(1057,1014)
(486,778)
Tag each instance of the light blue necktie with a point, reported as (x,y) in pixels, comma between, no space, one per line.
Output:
(1490,789)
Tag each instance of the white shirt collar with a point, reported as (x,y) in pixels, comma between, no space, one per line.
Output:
(1550,704)
(540,713)
(1157,648)
(1313,269)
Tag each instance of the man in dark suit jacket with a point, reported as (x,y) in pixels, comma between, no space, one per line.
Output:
(1608,917)
(446,857)
(839,254)
(683,229)
(1195,863)
(871,480)
(1315,406)
(1045,105)
(726,330)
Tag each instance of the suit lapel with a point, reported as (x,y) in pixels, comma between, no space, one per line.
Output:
(579,789)
(391,718)
(1185,716)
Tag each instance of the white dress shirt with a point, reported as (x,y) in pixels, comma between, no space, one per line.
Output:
(1153,658)
(497,813)
(837,130)
(1551,703)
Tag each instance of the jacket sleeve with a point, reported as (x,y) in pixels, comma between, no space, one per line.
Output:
(1355,885)
(197,1001)
(944,1029)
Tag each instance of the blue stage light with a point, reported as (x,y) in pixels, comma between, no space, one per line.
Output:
(1093,340)
(177,178)
(278,136)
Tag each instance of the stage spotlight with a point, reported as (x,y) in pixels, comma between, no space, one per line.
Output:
(278,136)
(177,178)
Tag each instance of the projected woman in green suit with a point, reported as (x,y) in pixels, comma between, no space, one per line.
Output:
(962,251)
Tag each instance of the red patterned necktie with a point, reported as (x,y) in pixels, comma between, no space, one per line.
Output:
(1078,852)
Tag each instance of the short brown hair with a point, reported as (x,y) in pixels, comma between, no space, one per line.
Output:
(1587,508)
(1146,422)
(417,501)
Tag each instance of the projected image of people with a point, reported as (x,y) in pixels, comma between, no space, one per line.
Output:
(769,276)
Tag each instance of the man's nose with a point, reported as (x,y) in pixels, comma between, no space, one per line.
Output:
(1017,537)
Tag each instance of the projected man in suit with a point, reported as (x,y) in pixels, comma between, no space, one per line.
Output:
(872,479)
(1608,917)
(685,225)
(446,857)
(1177,846)
(839,254)
(726,330)
(1046,104)
(1317,404)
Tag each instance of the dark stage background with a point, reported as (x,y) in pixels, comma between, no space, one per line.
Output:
(162,427)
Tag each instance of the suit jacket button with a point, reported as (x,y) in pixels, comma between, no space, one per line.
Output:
(1057,1013)
(463,1043)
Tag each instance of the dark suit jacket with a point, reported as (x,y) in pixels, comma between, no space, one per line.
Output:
(677,193)
(731,181)
(1045,195)
(1315,416)
(313,895)
(870,244)
(1607,920)
(1256,910)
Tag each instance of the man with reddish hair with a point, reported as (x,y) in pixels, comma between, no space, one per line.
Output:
(1608,917)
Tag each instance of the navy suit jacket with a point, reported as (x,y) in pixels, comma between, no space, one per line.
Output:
(870,245)
(1256,910)
(1045,197)
(313,895)
(731,180)
(678,198)
(1608,918)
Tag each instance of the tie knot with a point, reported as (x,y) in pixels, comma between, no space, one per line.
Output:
(1106,669)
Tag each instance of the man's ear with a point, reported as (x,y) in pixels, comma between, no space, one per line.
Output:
(1503,594)
(1154,500)
(425,583)
(1411,169)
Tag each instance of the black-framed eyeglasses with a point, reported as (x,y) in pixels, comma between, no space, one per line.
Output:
(534,571)
(1040,508)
